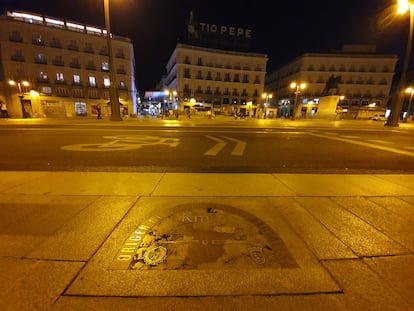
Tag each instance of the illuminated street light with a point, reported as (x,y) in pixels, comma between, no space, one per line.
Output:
(266,97)
(297,87)
(397,99)
(20,85)
(410,91)
(113,91)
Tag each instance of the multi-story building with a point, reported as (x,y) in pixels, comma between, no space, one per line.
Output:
(362,77)
(61,68)
(220,80)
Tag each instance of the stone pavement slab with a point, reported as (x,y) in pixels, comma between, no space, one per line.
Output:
(233,241)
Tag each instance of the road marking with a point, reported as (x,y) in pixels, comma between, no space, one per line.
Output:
(124,142)
(217,147)
(240,146)
(238,150)
(365,144)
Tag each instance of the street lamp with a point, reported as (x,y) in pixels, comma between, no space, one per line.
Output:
(410,91)
(113,91)
(397,99)
(171,97)
(266,97)
(297,87)
(20,85)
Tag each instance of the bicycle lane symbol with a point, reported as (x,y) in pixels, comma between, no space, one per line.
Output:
(123,143)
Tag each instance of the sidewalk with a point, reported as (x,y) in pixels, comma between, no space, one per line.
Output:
(219,120)
(171,241)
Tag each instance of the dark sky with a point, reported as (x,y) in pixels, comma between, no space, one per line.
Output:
(282,30)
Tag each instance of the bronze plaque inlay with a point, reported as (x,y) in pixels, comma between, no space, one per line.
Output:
(203,236)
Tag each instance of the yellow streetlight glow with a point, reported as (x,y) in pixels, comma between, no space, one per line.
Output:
(402,6)
(297,90)
(266,97)
(397,99)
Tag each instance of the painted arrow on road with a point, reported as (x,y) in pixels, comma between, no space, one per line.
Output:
(238,150)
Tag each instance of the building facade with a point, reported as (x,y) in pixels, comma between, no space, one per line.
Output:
(55,68)
(225,82)
(361,77)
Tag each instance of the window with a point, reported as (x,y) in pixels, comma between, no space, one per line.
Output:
(76,79)
(73,46)
(56,43)
(46,90)
(15,37)
(38,40)
(40,59)
(105,66)
(92,81)
(80,109)
(43,75)
(120,54)
(90,65)
(187,73)
(18,56)
(75,63)
(88,48)
(107,82)
(60,77)
(121,70)
(122,85)
(58,61)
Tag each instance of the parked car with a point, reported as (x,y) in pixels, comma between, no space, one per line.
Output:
(379,117)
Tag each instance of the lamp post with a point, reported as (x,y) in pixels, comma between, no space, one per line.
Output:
(410,91)
(171,96)
(20,86)
(397,99)
(297,87)
(113,91)
(266,97)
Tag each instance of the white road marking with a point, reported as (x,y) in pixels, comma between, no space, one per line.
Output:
(240,146)
(365,144)
(217,147)
(237,151)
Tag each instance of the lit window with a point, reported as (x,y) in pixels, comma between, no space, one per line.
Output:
(76,79)
(107,82)
(46,90)
(43,75)
(60,77)
(105,66)
(92,81)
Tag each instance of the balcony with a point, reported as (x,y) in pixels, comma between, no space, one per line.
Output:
(16,38)
(18,58)
(120,55)
(56,45)
(74,65)
(73,47)
(58,62)
(90,67)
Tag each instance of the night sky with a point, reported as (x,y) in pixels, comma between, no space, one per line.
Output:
(283,33)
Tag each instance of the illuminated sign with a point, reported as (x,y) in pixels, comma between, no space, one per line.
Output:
(218,36)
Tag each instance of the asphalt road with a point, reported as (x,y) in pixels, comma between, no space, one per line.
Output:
(201,148)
